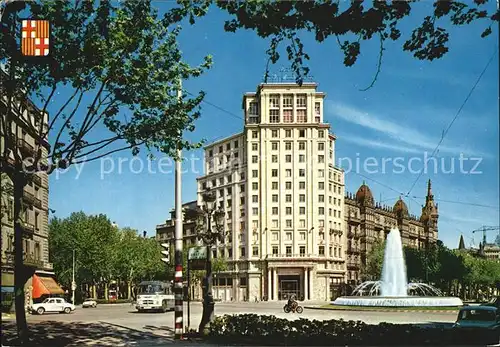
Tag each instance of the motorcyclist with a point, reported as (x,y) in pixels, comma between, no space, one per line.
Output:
(291,302)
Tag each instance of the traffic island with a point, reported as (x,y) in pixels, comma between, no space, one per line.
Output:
(425,309)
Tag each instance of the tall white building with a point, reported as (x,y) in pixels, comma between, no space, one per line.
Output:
(283,198)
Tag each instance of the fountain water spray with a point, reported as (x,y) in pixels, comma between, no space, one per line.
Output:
(394,281)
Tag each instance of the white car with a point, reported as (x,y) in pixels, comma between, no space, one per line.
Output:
(89,303)
(53,305)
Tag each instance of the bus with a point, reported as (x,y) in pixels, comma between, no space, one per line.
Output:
(155,296)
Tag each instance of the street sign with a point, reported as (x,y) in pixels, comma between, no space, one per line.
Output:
(197,253)
(73,285)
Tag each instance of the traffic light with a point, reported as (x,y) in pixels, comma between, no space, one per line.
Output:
(166,252)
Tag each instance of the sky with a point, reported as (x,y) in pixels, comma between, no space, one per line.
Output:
(398,122)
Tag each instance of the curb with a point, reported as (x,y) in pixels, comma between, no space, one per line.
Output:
(382,310)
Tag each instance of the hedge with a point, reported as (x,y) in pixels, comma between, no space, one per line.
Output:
(252,329)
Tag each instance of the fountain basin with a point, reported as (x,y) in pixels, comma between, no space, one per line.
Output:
(399,301)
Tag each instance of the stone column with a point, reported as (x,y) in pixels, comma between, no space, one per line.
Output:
(275,284)
(311,287)
(269,284)
(306,283)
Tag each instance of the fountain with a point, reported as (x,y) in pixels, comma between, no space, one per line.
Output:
(393,290)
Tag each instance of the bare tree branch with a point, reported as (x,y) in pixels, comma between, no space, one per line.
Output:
(108,153)
(54,118)
(379,65)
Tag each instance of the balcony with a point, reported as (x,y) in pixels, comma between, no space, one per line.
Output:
(292,256)
(352,265)
(37,180)
(28,227)
(29,259)
(353,220)
(25,147)
(336,232)
(353,250)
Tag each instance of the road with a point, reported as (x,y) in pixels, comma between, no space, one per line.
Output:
(125,315)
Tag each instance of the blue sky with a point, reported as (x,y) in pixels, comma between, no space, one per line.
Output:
(403,115)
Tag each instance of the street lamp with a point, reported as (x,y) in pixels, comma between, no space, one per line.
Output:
(209,235)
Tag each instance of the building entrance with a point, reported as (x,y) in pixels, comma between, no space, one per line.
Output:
(289,285)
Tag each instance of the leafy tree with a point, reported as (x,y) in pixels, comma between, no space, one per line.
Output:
(129,260)
(374,261)
(119,65)
(349,24)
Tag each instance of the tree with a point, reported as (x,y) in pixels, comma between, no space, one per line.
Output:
(129,260)
(374,261)
(348,23)
(118,64)
(219,265)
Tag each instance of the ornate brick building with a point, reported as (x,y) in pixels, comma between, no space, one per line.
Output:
(367,221)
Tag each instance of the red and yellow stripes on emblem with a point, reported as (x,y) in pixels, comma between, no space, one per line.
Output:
(32,30)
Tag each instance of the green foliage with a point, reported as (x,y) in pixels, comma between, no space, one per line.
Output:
(374,261)
(252,329)
(349,24)
(219,265)
(103,252)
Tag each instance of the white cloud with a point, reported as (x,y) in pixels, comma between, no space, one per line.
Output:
(404,134)
(379,144)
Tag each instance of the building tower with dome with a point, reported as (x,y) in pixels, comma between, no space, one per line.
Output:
(367,221)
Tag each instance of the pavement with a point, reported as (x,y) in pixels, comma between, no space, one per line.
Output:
(122,325)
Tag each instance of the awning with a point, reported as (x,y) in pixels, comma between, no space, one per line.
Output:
(7,289)
(43,285)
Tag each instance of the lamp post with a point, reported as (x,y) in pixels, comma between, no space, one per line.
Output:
(209,234)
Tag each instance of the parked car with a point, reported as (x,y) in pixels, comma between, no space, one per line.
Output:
(478,324)
(90,302)
(53,305)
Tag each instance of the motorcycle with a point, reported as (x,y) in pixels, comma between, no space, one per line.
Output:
(294,307)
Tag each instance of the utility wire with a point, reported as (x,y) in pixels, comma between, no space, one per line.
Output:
(462,203)
(456,116)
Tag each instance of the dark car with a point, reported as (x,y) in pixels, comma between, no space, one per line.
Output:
(478,324)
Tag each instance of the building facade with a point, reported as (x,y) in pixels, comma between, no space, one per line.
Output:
(282,195)
(35,207)
(367,221)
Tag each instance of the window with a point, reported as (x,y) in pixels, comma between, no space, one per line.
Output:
(274,158)
(236,144)
(210,153)
(255,211)
(255,225)
(302,172)
(288,251)
(302,223)
(302,146)
(321,133)
(255,173)
(255,251)
(288,173)
(255,198)
(322,250)
(275,211)
(321,185)
(221,149)
(288,210)
(302,251)
(321,210)
(214,183)
(274,133)
(302,185)
(301,100)
(301,116)
(242,176)
(288,223)
(274,185)
(288,198)
(302,210)
(255,135)
(288,146)
(228,147)
(321,173)
(321,158)
(288,133)
(288,185)
(302,236)
(275,223)
(302,198)
(321,198)
(289,236)
(274,101)
(255,146)
(288,158)
(288,101)
(302,133)
(255,186)
(243,281)
(253,109)
(317,108)
(229,203)
(321,146)
(287,116)
(255,159)
(275,198)
(242,252)
(274,146)
(275,250)
(274,173)
(228,179)
(302,158)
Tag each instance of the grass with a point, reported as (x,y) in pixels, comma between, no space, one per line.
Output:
(378,308)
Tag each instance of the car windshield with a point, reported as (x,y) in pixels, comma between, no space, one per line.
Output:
(150,289)
(477,315)
(46,301)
